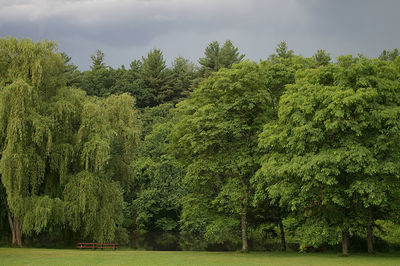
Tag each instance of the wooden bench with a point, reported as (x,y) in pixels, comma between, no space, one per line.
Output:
(96,246)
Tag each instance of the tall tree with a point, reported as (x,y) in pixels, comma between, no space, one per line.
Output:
(217,138)
(97,60)
(183,73)
(130,81)
(332,155)
(158,176)
(64,156)
(282,52)
(99,80)
(106,141)
(321,57)
(30,74)
(156,77)
(217,57)
(71,72)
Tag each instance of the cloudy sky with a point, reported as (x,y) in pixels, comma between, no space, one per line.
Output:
(127,29)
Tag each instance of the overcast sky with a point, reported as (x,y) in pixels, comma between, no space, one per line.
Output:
(127,30)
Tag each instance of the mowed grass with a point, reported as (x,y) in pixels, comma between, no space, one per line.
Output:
(31,256)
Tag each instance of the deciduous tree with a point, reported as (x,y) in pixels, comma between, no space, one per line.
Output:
(30,75)
(217,138)
(332,156)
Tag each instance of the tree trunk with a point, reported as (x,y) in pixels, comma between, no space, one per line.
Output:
(10,221)
(245,246)
(369,239)
(134,232)
(345,243)
(283,240)
(370,233)
(15,230)
(18,232)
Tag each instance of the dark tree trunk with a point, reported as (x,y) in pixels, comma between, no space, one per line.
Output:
(245,246)
(283,240)
(11,222)
(345,243)
(134,232)
(370,233)
(15,227)
(18,232)
(369,239)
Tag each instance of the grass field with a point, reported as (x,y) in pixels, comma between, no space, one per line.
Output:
(27,256)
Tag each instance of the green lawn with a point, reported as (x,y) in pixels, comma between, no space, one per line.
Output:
(28,256)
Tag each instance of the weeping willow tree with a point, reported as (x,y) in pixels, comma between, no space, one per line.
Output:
(59,148)
(106,139)
(30,74)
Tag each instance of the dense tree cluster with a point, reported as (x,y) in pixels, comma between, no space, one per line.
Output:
(230,154)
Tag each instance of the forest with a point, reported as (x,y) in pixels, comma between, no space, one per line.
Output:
(290,152)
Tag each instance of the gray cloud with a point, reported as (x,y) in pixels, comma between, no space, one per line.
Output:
(126,30)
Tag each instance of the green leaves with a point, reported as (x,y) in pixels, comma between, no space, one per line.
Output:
(217,138)
(157,78)
(93,206)
(322,154)
(58,147)
(217,57)
(157,175)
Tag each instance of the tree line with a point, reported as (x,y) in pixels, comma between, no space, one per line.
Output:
(227,154)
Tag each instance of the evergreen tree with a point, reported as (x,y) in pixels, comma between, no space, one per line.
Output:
(282,52)
(156,77)
(99,80)
(322,58)
(183,73)
(217,57)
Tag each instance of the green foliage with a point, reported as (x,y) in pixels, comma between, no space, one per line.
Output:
(282,52)
(332,155)
(388,55)
(156,77)
(62,152)
(93,206)
(150,81)
(183,73)
(99,80)
(31,74)
(130,81)
(34,63)
(216,137)
(98,60)
(158,176)
(41,213)
(388,231)
(223,229)
(305,143)
(71,72)
(4,226)
(217,57)
(322,58)
(106,143)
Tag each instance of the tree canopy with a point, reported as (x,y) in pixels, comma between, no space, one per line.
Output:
(333,153)
(288,152)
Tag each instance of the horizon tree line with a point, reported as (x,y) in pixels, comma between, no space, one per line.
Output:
(228,154)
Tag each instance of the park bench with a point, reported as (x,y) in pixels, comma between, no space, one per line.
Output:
(96,246)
